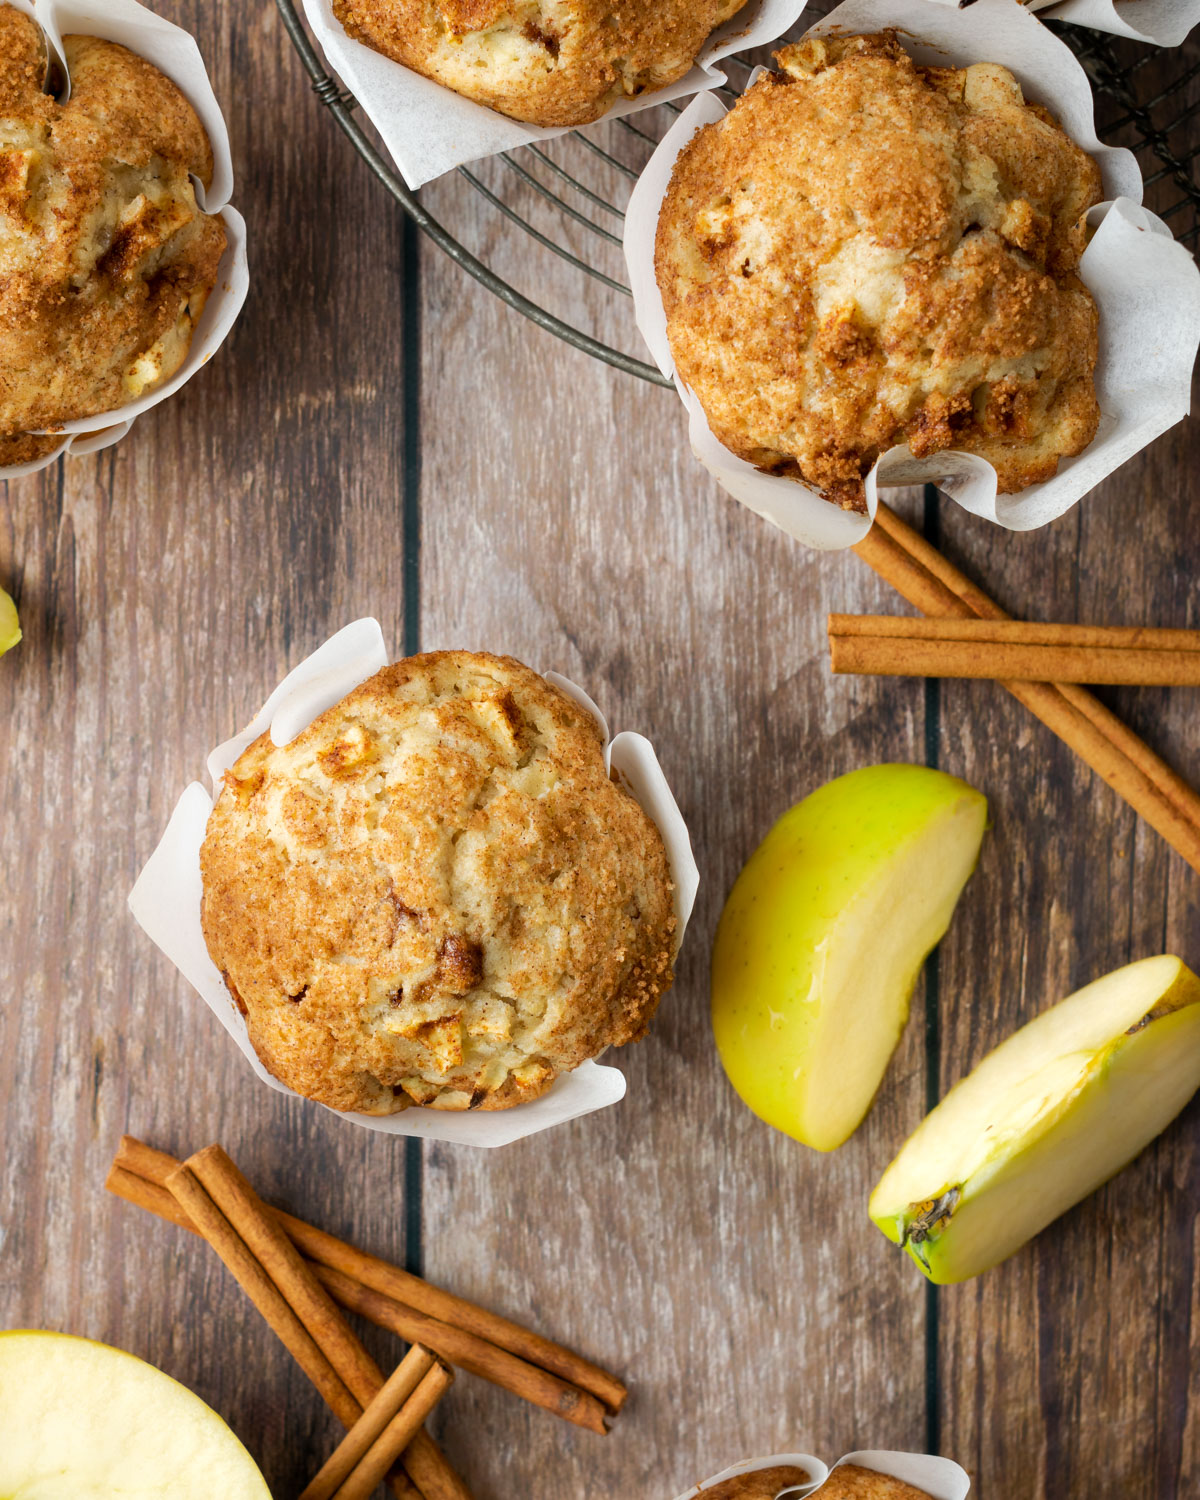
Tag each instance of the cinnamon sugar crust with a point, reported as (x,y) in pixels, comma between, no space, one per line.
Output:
(106,260)
(865,253)
(764,1484)
(849,1482)
(549,62)
(436,894)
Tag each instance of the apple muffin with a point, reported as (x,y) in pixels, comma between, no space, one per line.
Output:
(549,62)
(763,1484)
(436,894)
(106,260)
(867,253)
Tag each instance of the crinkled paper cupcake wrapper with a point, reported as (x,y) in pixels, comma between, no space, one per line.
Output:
(430,130)
(166,899)
(174,52)
(1165,23)
(940,1477)
(1146,285)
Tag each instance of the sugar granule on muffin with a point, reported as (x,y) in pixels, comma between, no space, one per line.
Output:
(548,62)
(436,894)
(106,260)
(866,253)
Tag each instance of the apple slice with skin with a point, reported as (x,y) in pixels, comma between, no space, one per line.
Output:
(824,934)
(82,1421)
(1044,1120)
(10,625)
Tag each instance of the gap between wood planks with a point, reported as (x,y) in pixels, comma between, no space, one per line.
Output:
(411,508)
(933,1031)
(410,266)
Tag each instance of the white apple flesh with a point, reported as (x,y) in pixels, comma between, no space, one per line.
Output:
(82,1421)
(1044,1120)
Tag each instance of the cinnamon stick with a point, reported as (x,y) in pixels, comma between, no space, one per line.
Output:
(526,1381)
(396,1436)
(389,1400)
(147,1195)
(888,646)
(246,1219)
(457,1333)
(267,1298)
(157,1200)
(920,574)
(1028,632)
(280,1259)
(430,1472)
(403,1287)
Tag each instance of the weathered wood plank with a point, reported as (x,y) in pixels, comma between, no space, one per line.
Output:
(1071,1369)
(731,1274)
(164,586)
(728,1272)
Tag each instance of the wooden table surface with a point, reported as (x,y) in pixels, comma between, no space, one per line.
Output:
(380,436)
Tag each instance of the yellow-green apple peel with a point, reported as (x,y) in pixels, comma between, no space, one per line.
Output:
(1044,1120)
(10,626)
(823,937)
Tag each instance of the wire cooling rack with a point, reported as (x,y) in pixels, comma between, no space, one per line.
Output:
(567,197)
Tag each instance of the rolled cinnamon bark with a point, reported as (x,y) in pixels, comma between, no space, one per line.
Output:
(403,1304)
(396,1436)
(157,1200)
(920,574)
(310,1302)
(258,1286)
(524,1380)
(281,1261)
(389,1400)
(1016,650)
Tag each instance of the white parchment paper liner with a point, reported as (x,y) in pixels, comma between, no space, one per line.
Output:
(174,52)
(166,899)
(1163,22)
(430,130)
(1146,285)
(939,1477)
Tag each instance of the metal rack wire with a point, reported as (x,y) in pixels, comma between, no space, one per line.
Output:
(568,196)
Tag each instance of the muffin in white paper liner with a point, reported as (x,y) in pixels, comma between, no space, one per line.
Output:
(429,129)
(1146,285)
(939,1477)
(1166,23)
(174,52)
(166,899)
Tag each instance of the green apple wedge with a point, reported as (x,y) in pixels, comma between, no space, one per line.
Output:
(823,937)
(82,1421)
(1044,1120)
(10,625)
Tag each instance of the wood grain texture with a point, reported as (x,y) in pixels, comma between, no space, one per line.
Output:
(164,587)
(729,1273)
(1081,1355)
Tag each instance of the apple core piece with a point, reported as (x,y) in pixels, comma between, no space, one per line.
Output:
(1044,1120)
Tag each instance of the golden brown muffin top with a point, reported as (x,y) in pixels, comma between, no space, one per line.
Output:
(436,894)
(849,1482)
(105,258)
(550,62)
(865,253)
(763,1484)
